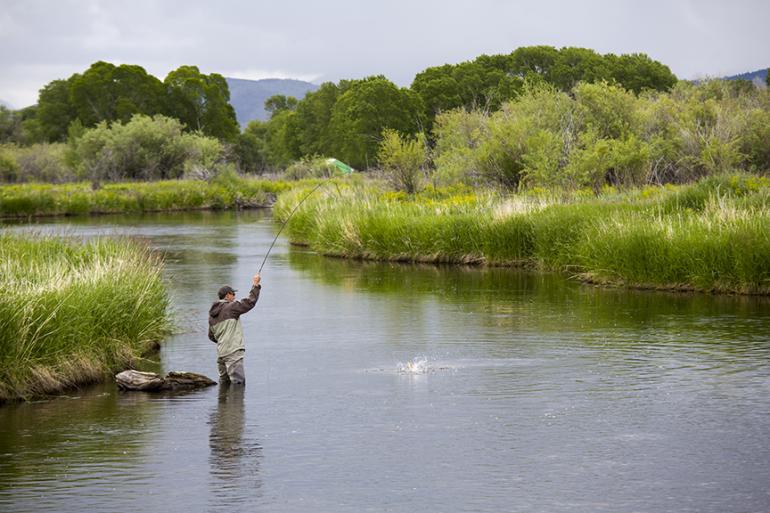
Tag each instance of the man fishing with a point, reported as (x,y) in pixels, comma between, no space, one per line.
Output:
(226,331)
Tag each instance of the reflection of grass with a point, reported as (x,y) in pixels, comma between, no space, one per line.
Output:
(708,236)
(526,301)
(71,312)
(73,199)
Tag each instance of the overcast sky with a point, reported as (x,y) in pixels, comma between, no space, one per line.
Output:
(42,40)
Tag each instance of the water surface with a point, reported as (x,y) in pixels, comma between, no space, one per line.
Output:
(379,387)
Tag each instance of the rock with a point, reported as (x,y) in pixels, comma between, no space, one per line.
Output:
(149,381)
(186,380)
(137,380)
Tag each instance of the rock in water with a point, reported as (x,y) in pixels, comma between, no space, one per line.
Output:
(186,380)
(137,380)
(149,381)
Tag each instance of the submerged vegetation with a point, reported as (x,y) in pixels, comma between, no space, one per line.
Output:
(712,235)
(72,311)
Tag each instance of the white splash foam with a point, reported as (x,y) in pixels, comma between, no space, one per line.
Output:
(418,365)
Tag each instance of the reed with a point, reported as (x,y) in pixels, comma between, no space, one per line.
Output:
(709,236)
(74,310)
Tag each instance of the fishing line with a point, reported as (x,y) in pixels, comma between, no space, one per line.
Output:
(287,220)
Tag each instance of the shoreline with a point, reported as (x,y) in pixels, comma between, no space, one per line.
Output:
(21,217)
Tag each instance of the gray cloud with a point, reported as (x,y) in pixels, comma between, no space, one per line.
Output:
(44,40)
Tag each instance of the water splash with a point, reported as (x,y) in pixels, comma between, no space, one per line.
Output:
(418,365)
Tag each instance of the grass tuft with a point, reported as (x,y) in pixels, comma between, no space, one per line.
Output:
(72,310)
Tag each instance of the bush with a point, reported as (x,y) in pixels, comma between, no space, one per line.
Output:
(9,169)
(35,163)
(605,135)
(309,167)
(145,148)
(403,161)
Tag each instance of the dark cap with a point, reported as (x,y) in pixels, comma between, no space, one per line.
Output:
(227,289)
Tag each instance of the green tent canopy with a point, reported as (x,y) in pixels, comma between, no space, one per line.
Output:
(346,169)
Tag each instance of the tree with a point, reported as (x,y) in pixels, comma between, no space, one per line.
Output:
(363,111)
(575,65)
(10,125)
(313,114)
(251,147)
(202,102)
(282,139)
(482,83)
(105,92)
(55,111)
(637,72)
(279,102)
(533,61)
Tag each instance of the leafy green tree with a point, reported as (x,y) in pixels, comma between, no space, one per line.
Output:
(55,111)
(534,61)
(363,111)
(251,147)
(105,92)
(10,125)
(279,102)
(637,72)
(202,102)
(575,65)
(313,114)
(482,83)
(282,139)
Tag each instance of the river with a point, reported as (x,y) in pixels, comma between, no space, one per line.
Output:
(404,388)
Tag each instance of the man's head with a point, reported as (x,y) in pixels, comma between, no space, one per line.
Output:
(227,293)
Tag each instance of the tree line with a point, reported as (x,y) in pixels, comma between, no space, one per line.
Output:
(344,119)
(347,119)
(109,93)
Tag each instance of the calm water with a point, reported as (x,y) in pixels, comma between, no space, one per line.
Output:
(527,393)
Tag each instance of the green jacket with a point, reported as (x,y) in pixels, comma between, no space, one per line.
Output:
(225,324)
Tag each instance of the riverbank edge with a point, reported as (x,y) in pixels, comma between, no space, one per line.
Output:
(32,200)
(99,213)
(585,278)
(49,383)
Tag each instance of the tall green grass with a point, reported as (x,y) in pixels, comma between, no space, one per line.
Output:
(26,200)
(713,235)
(72,310)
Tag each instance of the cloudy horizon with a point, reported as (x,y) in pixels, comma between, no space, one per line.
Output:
(47,40)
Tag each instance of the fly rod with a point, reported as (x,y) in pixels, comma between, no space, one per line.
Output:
(330,162)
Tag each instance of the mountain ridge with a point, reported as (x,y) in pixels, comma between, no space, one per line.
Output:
(248,96)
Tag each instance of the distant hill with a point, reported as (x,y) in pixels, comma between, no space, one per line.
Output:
(5,104)
(758,76)
(248,96)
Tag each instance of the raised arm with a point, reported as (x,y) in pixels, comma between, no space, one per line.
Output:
(244,305)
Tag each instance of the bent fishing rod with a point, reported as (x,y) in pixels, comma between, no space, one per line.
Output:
(331,162)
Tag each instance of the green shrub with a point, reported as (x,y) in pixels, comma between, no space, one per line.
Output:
(145,148)
(403,160)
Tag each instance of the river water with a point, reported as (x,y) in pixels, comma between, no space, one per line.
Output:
(384,387)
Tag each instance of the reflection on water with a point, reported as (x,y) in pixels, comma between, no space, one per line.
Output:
(235,456)
(387,387)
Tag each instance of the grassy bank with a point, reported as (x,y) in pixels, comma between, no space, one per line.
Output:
(25,200)
(712,235)
(72,311)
